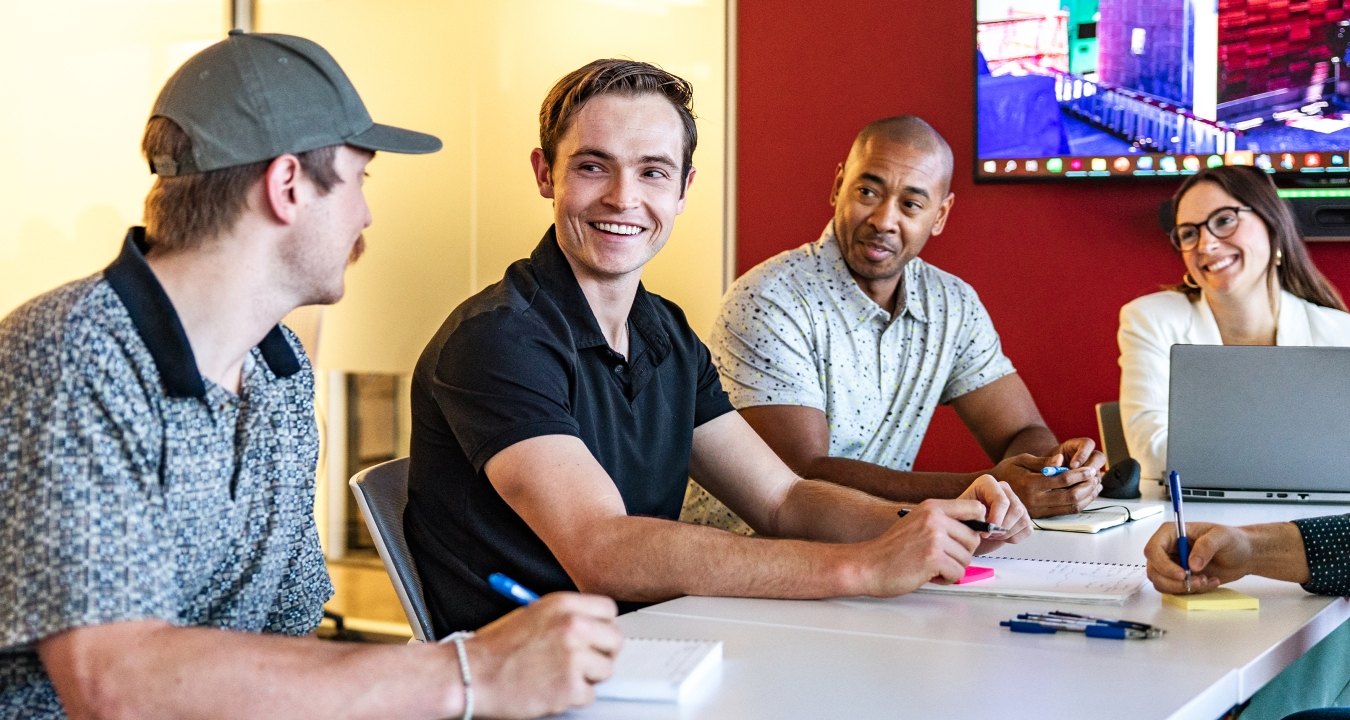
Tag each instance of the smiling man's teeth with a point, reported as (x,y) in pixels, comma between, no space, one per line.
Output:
(617,228)
(1221,264)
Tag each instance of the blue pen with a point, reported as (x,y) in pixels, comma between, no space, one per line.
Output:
(1052,470)
(1111,632)
(1069,620)
(1183,542)
(1026,626)
(511,589)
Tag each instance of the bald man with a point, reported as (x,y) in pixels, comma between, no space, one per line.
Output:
(838,352)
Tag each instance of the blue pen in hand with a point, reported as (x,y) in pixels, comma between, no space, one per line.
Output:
(1183,542)
(1052,470)
(511,589)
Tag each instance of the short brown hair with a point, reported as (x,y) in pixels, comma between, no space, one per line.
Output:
(1254,188)
(184,212)
(618,77)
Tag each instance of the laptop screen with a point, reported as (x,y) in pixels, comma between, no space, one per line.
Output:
(1268,420)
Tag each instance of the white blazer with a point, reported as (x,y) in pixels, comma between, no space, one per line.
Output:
(1152,324)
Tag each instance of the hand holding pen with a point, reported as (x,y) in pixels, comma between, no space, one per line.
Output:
(1183,542)
(1002,507)
(537,660)
(1051,485)
(928,544)
(1220,553)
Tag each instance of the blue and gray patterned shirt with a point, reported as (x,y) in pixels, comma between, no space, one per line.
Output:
(133,489)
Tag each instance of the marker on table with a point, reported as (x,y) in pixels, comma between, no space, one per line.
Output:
(512,589)
(1183,542)
(1053,470)
(976,525)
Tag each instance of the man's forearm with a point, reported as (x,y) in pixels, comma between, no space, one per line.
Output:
(651,560)
(1278,551)
(883,482)
(823,511)
(176,672)
(1032,440)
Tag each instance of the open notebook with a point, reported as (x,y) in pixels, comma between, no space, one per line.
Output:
(1067,580)
(1103,514)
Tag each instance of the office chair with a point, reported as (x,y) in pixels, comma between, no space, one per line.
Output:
(1121,480)
(382,493)
(1112,432)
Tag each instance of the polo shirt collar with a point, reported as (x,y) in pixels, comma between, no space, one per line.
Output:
(555,275)
(857,306)
(157,322)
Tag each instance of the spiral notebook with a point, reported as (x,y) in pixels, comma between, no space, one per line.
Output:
(660,670)
(1067,580)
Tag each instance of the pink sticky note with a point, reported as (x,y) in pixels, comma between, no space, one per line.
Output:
(975,573)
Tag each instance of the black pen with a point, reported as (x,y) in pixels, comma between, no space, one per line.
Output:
(976,525)
(1088,618)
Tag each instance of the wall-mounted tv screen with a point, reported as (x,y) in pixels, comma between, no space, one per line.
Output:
(1147,88)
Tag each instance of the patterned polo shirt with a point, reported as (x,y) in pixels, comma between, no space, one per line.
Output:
(131,488)
(798,330)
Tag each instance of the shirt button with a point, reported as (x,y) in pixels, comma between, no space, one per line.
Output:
(618,369)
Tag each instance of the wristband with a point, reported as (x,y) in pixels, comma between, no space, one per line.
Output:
(458,639)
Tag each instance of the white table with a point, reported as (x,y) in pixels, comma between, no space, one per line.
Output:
(946,656)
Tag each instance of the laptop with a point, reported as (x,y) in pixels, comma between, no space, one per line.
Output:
(1266,424)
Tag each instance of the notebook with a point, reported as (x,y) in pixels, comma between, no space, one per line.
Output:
(1102,515)
(660,670)
(1066,580)
(1268,424)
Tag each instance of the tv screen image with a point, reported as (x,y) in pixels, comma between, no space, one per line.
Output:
(1141,88)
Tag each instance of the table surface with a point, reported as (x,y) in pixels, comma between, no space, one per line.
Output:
(922,655)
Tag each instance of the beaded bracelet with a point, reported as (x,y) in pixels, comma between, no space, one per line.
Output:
(458,639)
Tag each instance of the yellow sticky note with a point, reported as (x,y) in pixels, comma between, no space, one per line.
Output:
(1221,599)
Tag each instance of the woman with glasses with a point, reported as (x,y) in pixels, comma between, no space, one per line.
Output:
(1248,280)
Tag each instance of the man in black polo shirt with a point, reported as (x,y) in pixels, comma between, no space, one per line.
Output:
(558,413)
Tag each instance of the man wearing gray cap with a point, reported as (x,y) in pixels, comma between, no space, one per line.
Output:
(158,446)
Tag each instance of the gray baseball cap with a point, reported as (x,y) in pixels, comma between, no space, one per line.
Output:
(257,96)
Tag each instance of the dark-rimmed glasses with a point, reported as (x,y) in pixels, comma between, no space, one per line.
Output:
(1221,223)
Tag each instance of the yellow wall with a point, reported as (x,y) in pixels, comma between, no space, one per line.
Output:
(474,73)
(78,78)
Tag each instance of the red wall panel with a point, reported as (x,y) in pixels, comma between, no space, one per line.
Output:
(1053,262)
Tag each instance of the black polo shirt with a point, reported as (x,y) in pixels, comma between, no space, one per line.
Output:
(524,358)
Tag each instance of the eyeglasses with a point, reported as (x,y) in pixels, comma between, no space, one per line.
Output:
(1221,223)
